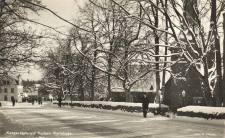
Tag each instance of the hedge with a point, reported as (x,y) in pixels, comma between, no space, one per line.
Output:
(123,106)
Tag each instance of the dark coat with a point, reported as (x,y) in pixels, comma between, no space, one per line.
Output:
(145,102)
(59,99)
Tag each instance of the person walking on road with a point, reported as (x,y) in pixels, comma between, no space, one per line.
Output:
(32,100)
(60,101)
(13,101)
(145,103)
(39,100)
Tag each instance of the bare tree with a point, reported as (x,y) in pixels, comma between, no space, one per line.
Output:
(189,33)
(17,43)
(119,40)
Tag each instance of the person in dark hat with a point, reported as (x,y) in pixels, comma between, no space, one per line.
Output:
(145,103)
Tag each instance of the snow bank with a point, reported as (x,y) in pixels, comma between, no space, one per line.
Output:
(203,109)
(202,112)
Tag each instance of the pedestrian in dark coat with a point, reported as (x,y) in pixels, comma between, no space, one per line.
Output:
(145,103)
(39,100)
(13,101)
(32,100)
(60,101)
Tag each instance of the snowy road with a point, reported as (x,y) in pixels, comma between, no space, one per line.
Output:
(25,120)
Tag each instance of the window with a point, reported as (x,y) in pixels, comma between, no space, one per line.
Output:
(12,90)
(5,90)
(5,98)
(6,82)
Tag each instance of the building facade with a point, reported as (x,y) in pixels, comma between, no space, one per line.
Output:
(10,87)
(144,85)
(184,89)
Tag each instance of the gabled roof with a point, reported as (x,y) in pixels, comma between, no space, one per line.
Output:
(10,77)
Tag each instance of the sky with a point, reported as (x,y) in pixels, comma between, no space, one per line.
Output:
(66,9)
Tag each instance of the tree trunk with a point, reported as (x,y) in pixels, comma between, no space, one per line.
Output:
(127,94)
(109,86)
(126,86)
(93,69)
(126,81)
(111,49)
(223,59)
(165,59)
(81,88)
(92,83)
(219,86)
(109,70)
(207,95)
(157,58)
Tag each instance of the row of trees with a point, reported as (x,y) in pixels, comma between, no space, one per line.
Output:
(112,43)
(30,83)
(109,37)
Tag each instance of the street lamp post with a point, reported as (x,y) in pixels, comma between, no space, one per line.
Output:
(183,95)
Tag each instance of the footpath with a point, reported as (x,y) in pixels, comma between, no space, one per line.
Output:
(7,105)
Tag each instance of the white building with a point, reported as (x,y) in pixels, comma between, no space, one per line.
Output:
(10,87)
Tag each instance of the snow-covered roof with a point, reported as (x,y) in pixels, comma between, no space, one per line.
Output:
(11,78)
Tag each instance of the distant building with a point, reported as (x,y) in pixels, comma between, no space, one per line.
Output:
(184,89)
(43,94)
(36,87)
(32,92)
(145,84)
(10,87)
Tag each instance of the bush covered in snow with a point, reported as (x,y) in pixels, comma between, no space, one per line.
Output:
(123,106)
(202,112)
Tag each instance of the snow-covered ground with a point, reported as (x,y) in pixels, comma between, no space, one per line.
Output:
(195,109)
(202,113)
(45,122)
(203,109)
(197,119)
(191,109)
(6,104)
